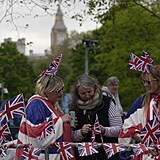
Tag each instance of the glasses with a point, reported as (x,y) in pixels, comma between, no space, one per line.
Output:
(58,91)
(146,81)
(149,81)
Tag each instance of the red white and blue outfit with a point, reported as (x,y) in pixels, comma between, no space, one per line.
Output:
(137,120)
(33,129)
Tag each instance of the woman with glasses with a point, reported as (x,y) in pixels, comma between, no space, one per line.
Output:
(87,102)
(44,123)
(138,102)
(135,126)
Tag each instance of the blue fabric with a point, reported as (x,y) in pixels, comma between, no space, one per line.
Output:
(136,105)
(126,155)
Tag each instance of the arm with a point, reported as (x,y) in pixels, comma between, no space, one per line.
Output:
(133,124)
(114,120)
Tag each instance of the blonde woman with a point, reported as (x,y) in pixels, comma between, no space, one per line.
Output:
(148,114)
(44,123)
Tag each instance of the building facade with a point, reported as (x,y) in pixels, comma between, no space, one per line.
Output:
(59,31)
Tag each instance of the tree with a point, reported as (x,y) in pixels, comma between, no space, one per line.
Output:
(16,71)
(133,30)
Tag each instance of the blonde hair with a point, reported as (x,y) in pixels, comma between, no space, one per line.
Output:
(155,73)
(47,84)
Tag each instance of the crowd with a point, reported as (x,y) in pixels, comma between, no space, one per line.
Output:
(45,122)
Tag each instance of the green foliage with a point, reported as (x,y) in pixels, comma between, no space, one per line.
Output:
(128,29)
(16,71)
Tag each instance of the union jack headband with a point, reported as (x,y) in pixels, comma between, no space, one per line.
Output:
(53,67)
(142,64)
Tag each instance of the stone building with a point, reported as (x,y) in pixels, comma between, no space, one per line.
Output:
(20,43)
(59,32)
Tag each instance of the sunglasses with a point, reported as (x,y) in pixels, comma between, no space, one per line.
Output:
(149,81)
(58,91)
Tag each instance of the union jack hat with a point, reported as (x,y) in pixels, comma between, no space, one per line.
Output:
(142,64)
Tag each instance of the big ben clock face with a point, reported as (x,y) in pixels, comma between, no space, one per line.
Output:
(60,38)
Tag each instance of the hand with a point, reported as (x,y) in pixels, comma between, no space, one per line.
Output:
(153,152)
(66,118)
(85,129)
(137,137)
(103,129)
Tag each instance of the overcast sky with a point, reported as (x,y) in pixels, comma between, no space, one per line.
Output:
(39,29)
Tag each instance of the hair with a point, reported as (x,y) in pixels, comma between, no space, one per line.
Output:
(47,84)
(155,73)
(112,80)
(85,81)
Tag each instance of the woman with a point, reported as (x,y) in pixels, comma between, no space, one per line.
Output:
(138,102)
(135,124)
(111,90)
(87,101)
(44,123)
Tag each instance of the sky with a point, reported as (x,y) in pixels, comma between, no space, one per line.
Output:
(39,27)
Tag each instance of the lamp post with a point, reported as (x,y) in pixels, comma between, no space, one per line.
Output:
(3,90)
(89,44)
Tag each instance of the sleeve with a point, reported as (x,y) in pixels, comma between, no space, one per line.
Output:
(136,105)
(134,123)
(115,121)
(77,135)
(42,126)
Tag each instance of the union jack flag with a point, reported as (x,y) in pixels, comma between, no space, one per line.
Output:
(155,108)
(96,130)
(14,108)
(48,129)
(53,67)
(30,153)
(87,148)
(4,132)
(139,148)
(133,61)
(3,151)
(151,132)
(65,151)
(145,63)
(113,148)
